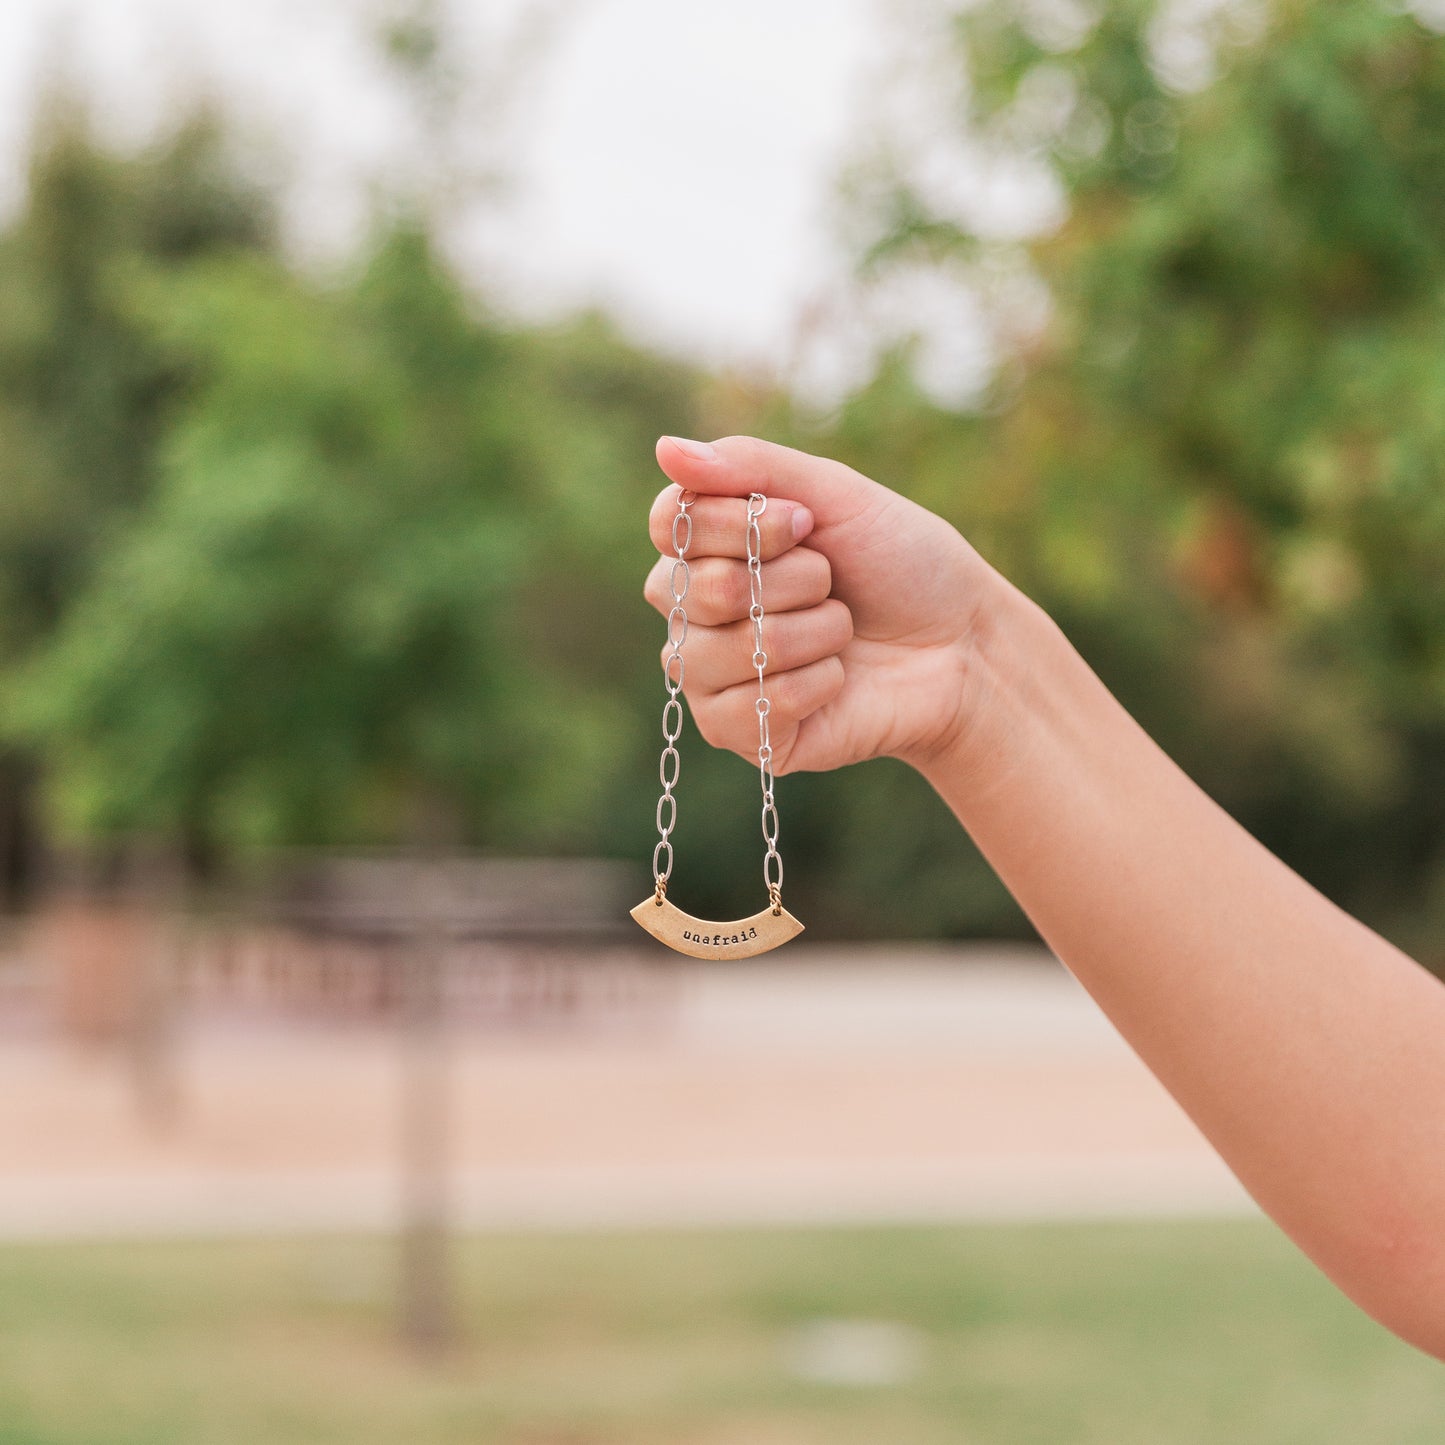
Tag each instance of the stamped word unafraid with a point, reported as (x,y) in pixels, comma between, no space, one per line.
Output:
(719,940)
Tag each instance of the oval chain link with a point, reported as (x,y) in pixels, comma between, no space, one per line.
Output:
(669,765)
(772,859)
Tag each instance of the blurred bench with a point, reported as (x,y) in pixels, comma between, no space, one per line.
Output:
(522,941)
(559,901)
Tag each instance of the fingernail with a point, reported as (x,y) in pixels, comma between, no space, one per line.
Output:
(802,523)
(703,451)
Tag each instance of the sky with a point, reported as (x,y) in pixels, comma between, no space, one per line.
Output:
(672,161)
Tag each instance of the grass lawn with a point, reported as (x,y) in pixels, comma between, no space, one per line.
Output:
(1097,1334)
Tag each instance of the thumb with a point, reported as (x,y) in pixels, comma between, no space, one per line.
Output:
(737,465)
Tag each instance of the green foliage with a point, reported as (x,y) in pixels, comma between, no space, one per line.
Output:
(285,562)
(83,396)
(1222,471)
(319,628)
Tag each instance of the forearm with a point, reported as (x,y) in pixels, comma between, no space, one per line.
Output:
(1310,1051)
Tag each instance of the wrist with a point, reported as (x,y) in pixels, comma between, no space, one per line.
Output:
(994,667)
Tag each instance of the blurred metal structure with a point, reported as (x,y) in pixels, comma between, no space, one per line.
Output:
(410,923)
(111,934)
(524,942)
(416,940)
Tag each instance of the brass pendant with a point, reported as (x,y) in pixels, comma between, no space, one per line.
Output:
(703,938)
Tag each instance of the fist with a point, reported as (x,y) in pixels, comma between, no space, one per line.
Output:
(872,608)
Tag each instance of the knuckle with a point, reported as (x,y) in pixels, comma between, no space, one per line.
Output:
(824,570)
(790,693)
(739,447)
(785,695)
(777,531)
(805,689)
(709,725)
(702,591)
(840,620)
(654,589)
(719,591)
(659,520)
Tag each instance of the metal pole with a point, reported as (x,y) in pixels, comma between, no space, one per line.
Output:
(428,1307)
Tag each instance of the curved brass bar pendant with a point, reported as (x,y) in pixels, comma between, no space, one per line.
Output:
(702,938)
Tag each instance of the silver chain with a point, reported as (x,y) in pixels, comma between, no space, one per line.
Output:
(670,764)
(672,670)
(772,859)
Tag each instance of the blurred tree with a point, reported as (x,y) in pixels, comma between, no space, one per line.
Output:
(374,585)
(84,395)
(491,473)
(1218,460)
(288,562)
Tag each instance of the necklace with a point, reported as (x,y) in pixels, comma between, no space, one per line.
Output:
(702,937)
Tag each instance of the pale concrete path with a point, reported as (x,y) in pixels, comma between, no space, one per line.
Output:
(819,1084)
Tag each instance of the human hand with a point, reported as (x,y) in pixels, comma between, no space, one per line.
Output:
(871,628)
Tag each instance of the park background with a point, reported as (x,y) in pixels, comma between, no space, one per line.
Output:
(322,535)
